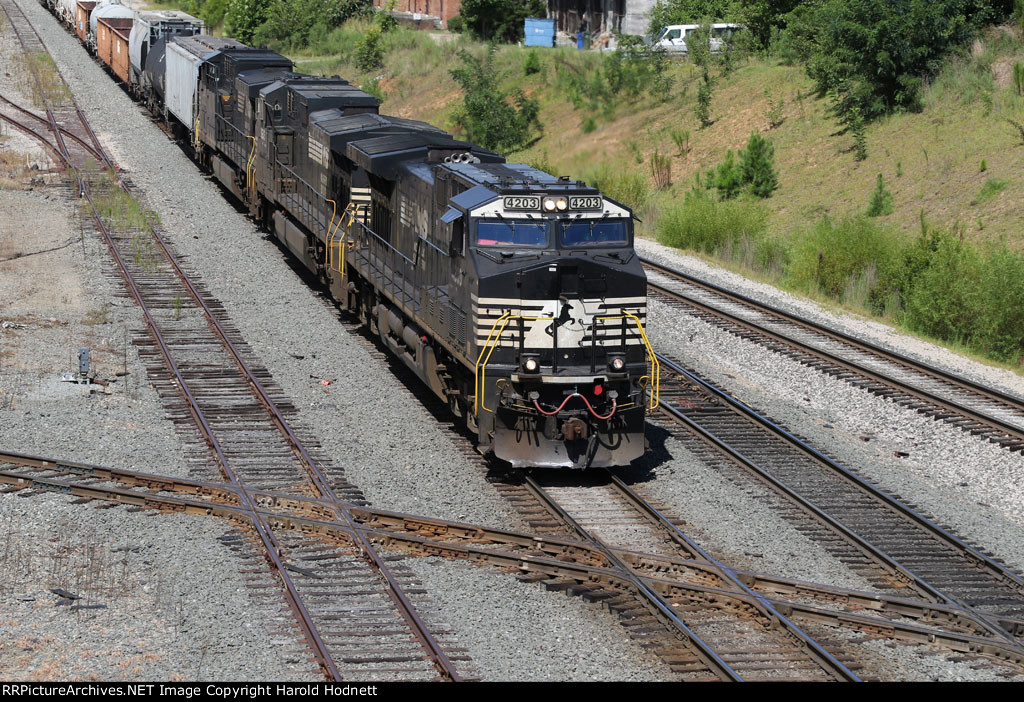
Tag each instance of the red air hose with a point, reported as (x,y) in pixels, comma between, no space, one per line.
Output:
(585,401)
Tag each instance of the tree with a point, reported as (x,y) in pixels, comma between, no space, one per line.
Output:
(244,17)
(881,200)
(876,53)
(488,115)
(499,20)
(757,162)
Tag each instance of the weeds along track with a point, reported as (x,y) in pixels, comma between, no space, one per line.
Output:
(888,542)
(727,605)
(974,408)
(238,421)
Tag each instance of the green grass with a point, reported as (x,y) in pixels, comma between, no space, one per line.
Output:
(991,188)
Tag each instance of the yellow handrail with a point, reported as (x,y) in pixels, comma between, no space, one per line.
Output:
(481,363)
(327,237)
(195,133)
(252,157)
(655,365)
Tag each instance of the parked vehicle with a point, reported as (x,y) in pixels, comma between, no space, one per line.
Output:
(673,37)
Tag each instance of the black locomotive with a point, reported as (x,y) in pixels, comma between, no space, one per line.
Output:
(515,295)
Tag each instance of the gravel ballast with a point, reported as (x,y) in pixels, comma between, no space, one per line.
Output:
(365,418)
(394,450)
(964,482)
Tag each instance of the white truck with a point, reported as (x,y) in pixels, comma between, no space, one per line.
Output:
(673,37)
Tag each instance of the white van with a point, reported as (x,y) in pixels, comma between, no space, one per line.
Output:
(673,37)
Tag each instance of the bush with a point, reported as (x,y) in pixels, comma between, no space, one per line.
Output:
(599,83)
(486,114)
(370,50)
(702,224)
(1000,331)
(621,184)
(830,255)
(945,298)
(532,64)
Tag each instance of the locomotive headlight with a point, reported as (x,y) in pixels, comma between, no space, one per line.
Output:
(549,204)
(531,364)
(562,204)
(617,363)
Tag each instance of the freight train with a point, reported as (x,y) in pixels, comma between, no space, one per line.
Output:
(516,296)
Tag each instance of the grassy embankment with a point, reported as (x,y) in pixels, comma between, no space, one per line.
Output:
(947,263)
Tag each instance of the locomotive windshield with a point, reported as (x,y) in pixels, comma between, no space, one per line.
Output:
(510,232)
(595,232)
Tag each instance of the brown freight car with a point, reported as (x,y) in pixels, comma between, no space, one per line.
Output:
(112,43)
(82,12)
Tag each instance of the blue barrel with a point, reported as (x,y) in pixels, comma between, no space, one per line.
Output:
(539,32)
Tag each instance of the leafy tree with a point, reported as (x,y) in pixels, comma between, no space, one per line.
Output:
(766,17)
(487,114)
(874,54)
(757,162)
(499,20)
(291,21)
(244,17)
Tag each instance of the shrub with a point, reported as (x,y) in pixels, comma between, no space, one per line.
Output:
(589,124)
(486,114)
(1000,331)
(825,258)
(703,224)
(945,299)
(661,169)
(681,137)
(774,111)
(291,22)
(881,199)
(855,122)
(370,50)
(621,184)
(876,53)
(532,64)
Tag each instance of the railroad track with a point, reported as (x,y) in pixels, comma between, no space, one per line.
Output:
(974,408)
(694,587)
(870,530)
(226,405)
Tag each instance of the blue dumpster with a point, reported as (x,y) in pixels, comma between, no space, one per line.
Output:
(539,32)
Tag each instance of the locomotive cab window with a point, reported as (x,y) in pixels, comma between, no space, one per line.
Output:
(510,232)
(595,232)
